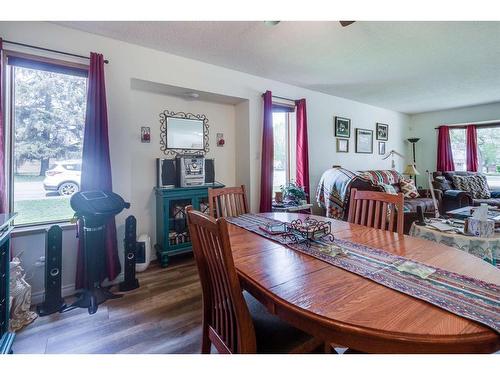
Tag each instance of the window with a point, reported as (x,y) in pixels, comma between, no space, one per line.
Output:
(284,148)
(47,102)
(488,144)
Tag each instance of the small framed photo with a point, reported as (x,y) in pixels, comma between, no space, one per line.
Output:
(342,127)
(342,145)
(364,141)
(382,132)
(381,148)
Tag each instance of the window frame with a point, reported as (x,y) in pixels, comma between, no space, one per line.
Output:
(9,101)
(479,128)
(290,141)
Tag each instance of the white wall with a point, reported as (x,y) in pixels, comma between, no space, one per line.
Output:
(133,163)
(423,126)
(147,107)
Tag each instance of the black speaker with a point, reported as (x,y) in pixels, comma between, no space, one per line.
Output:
(53,273)
(166,172)
(130,282)
(209,171)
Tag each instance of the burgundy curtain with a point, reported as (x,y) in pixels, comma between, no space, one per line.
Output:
(266,170)
(302,178)
(3,190)
(96,166)
(444,154)
(471,151)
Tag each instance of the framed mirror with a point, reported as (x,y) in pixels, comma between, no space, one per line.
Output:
(183,133)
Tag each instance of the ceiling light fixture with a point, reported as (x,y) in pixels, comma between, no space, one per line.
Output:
(271,23)
(192,95)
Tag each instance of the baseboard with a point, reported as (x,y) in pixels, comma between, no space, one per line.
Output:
(69,290)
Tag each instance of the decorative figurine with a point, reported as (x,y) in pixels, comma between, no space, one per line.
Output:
(20,293)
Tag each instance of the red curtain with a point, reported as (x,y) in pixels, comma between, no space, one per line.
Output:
(471,150)
(266,170)
(444,154)
(302,147)
(96,165)
(3,190)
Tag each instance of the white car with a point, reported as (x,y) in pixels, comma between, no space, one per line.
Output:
(64,177)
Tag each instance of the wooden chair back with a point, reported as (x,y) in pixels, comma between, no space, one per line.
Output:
(227,322)
(377,210)
(230,201)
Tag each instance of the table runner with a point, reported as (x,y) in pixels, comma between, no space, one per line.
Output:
(459,294)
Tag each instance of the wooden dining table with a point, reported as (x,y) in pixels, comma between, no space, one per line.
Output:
(341,307)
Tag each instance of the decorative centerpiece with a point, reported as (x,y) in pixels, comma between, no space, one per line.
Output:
(293,194)
(308,230)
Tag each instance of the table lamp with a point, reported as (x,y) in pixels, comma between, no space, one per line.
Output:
(411,171)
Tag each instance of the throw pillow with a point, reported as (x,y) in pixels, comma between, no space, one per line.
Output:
(408,188)
(442,183)
(477,185)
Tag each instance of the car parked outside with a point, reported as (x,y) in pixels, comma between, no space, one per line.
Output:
(64,177)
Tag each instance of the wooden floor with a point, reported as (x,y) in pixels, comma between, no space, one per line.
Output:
(162,316)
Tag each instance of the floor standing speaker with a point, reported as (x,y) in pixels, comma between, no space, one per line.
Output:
(53,273)
(209,171)
(130,282)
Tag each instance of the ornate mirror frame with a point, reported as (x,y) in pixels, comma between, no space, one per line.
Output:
(179,151)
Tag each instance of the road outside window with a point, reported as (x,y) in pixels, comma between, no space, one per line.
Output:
(48,123)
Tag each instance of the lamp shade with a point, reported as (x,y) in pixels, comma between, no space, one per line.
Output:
(410,170)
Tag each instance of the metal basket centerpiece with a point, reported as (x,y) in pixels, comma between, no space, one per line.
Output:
(308,230)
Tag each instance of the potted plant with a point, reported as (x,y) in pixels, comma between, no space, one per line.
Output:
(293,194)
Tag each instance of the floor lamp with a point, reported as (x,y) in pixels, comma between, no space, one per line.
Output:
(413,141)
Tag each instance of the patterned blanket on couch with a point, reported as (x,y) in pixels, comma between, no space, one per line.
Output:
(335,185)
(333,190)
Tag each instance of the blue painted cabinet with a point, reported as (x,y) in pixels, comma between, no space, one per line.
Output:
(172,235)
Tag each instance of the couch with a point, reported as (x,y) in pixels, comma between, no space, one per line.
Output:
(334,191)
(453,198)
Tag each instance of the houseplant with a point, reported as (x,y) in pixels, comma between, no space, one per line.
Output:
(293,193)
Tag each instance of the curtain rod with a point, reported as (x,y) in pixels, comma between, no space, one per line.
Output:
(481,125)
(49,50)
(281,97)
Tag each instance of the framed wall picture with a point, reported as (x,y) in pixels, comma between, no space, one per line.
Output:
(342,145)
(381,148)
(342,127)
(364,141)
(382,132)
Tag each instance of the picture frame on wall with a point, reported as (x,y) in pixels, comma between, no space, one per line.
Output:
(381,148)
(342,145)
(364,141)
(382,132)
(342,127)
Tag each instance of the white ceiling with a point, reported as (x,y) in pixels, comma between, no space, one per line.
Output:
(410,67)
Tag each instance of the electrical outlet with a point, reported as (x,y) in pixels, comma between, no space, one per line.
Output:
(40,262)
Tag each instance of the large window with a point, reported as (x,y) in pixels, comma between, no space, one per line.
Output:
(284,148)
(488,144)
(47,114)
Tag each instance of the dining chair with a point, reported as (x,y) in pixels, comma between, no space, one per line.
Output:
(230,201)
(377,210)
(234,321)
